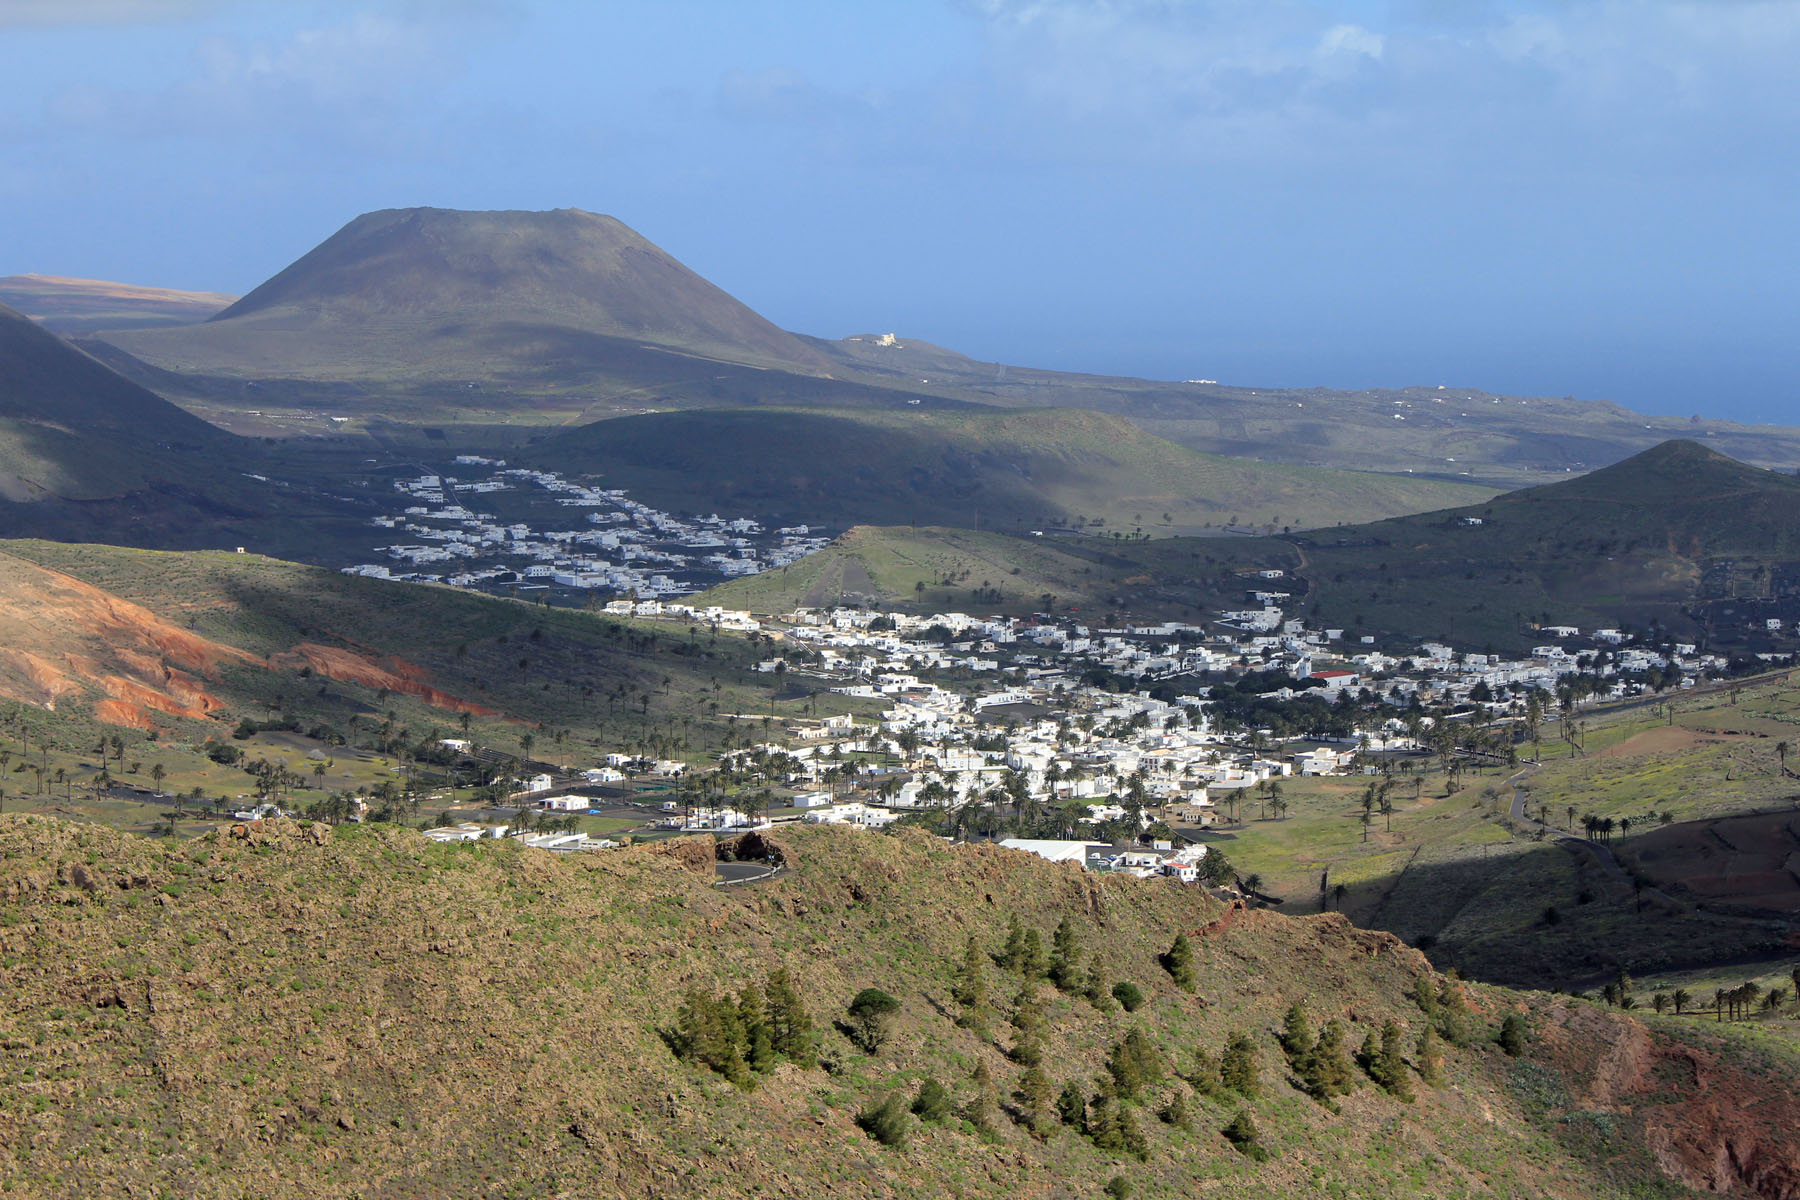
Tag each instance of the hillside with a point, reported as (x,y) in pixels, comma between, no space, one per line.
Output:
(356,1012)
(1672,535)
(405,294)
(932,568)
(71,430)
(45,380)
(970,468)
(82,305)
(87,455)
(247,629)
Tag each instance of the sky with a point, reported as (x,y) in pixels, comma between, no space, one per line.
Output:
(1548,197)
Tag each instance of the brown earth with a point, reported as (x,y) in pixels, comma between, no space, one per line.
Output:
(1752,861)
(393,673)
(1710,1123)
(61,638)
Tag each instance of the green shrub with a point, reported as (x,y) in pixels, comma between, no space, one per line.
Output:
(1244,1136)
(1128,995)
(870,1015)
(1240,1067)
(1179,962)
(1512,1035)
(932,1105)
(885,1122)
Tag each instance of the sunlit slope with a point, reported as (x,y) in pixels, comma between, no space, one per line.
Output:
(357,1012)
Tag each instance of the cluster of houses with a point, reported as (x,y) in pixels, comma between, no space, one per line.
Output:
(1014,706)
(985,711)
(558,843)
(619,546)
(1000,711)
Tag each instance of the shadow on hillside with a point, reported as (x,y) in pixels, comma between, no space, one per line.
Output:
(1552,915)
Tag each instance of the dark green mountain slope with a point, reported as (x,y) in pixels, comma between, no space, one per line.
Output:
(73,431)
(972,467)
(43,379)
(1666,536)
(87,455)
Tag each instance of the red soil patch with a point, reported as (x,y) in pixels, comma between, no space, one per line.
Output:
(1709,1124)
(82,639)
(394,674)
(85,642)
(1754,861)
(1666,740)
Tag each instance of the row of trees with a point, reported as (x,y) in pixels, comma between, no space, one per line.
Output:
(1728,1004)
(748,1034)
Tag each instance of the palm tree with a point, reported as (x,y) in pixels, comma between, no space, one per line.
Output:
(1680,999)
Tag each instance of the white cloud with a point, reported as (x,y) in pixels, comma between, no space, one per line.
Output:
(1352,39)
(1590,84)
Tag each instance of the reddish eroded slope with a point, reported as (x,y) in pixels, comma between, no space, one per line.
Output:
(1710,1122)
(61,638)
(394,674)
(64,640)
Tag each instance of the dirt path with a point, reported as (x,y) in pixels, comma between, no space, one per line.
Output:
(1602,854)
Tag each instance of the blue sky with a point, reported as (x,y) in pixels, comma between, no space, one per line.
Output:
(1561,197)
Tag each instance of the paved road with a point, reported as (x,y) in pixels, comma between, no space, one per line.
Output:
(743,872)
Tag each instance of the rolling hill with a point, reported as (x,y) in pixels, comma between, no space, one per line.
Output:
(72,306)
(356,1012)
(932,569)
(972,468)
(424,293)
(1670,536)
(1458,433)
